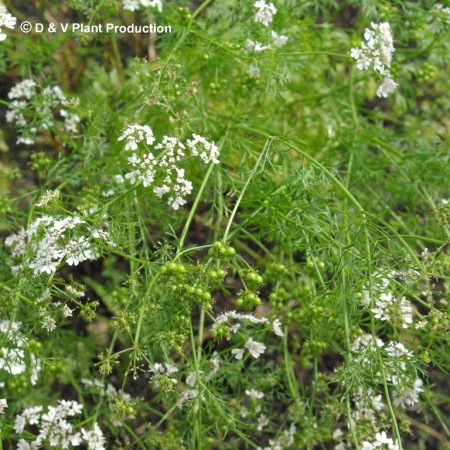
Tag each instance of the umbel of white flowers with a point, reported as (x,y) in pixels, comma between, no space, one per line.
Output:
(165,160)
(6,20)
(376,53)
(134,5)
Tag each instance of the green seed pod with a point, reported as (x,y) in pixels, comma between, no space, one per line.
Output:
(230,252)
(221,332)
(254,279)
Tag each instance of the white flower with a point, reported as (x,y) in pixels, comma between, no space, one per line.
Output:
(161,190)
(255,46)
(18,243)
(235,328)
(133,5)
(135,134)
(381,439)
(48,323)
(277,327)
(406,312)
(74,291)
(253,393)
(94,438)
(265,12)
(278,39)
(6,20)
(67,312)
(256,349)
(263,421)
(337,434)
(408,397)
(253,71)
(170,368)
(176,202)
(48,197)
(78,250)
(366,340)
(23,445)
(238,353)
(191,379)
(186,395)
(71,121)
(208,151)
(387,87)
(215,361)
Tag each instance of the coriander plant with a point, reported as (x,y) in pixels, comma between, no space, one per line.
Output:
(224,225)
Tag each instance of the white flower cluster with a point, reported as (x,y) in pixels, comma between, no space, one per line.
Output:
(206,150)
(3,405)
(265,12)
(367,404)
(263,421)
(134,5)
(385,306)
(406,389)
(264,15)
(15,357)
(366,341)
(226,316)
(277,42)
(49,241)
(439,18)
(381,441)
(170,153)
(285,440)
(6,20)
(377,53)
(254,394)
(405,396)
(48,197)
(54,428)
(45,104)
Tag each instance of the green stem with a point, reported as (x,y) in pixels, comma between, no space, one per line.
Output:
(193,210)
(200,9)
(352,97)
(297,54)
(348,358)
(241,196)
(390,407)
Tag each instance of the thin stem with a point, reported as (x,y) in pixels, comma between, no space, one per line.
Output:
(352,98)
(200,9)
(193,209)
(390,407)
(348,357)
(241,196)
(297,54)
